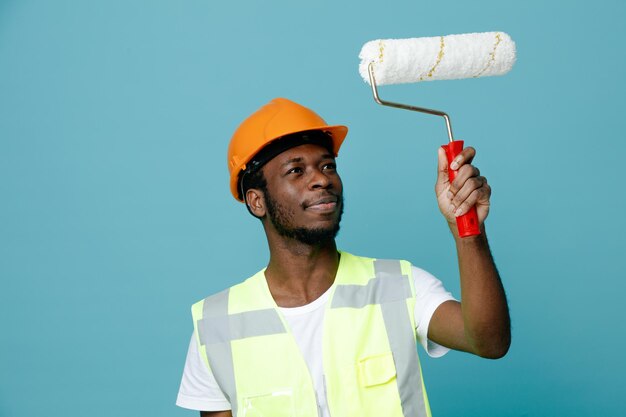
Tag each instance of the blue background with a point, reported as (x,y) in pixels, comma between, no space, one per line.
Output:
(115,214)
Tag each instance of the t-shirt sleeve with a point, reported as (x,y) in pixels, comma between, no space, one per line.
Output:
(429,294)
(198,388)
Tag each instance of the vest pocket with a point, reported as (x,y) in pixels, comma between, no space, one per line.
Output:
(377,369)
(274,404)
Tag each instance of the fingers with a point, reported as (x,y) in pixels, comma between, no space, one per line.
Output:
(469,189)
(475,191)
(467,177)
(465,157)
(462,175)
(470,202)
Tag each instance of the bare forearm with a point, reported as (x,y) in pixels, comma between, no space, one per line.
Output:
(483,301)
(480,323)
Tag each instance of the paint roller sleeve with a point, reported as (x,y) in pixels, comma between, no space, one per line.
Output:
(398,61)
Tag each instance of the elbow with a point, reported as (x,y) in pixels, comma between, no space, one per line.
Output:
(494,347)
(494,353)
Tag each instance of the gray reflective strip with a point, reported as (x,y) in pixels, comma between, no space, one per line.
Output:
(216,304)
(217,329)
(402,343)
(389,285)
(390,289)
(224,329)
(220,355)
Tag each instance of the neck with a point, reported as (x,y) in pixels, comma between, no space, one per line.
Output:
(297,273)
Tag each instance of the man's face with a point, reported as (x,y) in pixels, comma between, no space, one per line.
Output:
(304,196)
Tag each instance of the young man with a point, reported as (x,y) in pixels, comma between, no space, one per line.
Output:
(321,332)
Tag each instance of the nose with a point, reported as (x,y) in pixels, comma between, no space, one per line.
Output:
(319,180)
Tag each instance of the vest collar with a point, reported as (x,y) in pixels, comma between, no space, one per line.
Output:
(345,260)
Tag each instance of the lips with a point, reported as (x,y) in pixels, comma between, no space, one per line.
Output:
(324,204)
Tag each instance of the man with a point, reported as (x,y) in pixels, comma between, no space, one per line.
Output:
(321,332)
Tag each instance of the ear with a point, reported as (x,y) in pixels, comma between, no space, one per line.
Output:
(256,202)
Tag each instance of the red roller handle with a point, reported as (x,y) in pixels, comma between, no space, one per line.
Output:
(467,223)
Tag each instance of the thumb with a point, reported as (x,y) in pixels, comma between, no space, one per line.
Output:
(442,168)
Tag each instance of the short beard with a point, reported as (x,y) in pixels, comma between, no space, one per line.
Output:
(279,216)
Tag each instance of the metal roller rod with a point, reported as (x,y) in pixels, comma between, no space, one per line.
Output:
(378,100)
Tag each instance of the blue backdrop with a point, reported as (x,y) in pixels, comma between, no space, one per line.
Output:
(115,213)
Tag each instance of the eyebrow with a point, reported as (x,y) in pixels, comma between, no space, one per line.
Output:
(291,161)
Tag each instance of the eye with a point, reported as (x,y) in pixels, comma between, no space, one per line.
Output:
(294,170)
(331,165)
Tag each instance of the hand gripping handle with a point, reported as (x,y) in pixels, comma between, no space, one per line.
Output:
(467,223)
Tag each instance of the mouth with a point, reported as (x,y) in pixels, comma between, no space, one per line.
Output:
(326,204)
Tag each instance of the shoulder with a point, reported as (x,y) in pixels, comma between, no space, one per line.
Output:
(385,266)
(350,258)
(249,295)
(385,275)
(221,298)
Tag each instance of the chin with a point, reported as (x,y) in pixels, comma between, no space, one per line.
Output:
(313,236)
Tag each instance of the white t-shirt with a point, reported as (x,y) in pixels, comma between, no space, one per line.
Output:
(199,390)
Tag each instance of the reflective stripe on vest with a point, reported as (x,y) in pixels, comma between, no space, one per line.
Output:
(254,313)
(390,288)
(217,329)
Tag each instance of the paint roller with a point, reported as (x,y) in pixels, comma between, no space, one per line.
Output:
(473,55)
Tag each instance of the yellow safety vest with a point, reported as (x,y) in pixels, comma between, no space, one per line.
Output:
(371,367)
